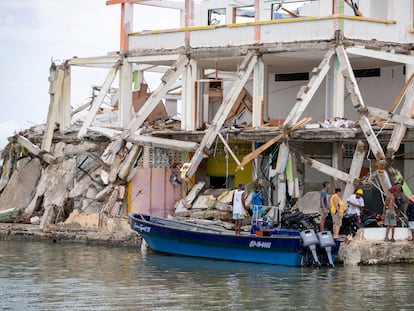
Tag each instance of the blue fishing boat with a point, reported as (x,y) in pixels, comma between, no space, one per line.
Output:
(276,246)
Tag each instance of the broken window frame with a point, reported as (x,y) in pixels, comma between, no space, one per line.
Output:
(216,16)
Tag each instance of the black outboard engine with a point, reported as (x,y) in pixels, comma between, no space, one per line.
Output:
(311,241)
(326,241)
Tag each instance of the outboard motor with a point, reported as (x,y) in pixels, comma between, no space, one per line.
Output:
(326,241)
(310,240)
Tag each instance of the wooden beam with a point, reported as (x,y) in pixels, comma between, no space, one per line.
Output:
(390,117)
(56,92)
(358,103)
(113,173)
(306,94)
(129,162)
(228,148)
(351,83)
(168,80)
(355,169)
(391,57)
(400,129)
(353,6)
(408,85)
(34,149)
(98,61)
(371,138)
(145,59)
(268,144)
(98,100)
(290,12)
(246,69)
(163,142)
(326,169)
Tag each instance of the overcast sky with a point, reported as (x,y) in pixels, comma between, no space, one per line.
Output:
(33,32)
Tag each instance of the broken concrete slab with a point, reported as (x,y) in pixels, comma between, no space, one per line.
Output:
(204,202)
(22,185)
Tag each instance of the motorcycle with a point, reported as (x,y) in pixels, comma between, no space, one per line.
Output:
(350,224)
(369,220)
(295,219)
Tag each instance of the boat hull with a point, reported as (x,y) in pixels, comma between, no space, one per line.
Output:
(174,237)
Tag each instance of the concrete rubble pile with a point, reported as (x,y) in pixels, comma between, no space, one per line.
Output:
(75,177)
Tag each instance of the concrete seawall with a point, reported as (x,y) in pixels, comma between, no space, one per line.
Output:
(368,247)
(61,234)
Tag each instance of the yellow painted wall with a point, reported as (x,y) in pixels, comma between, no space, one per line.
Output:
(216,166)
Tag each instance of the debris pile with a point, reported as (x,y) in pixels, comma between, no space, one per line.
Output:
(86,175)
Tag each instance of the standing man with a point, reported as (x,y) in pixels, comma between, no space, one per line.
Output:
(355,204)
(258,200)
(410,215)
(390,216)
(399,199)
(238,202)
(337,211)
(324,208)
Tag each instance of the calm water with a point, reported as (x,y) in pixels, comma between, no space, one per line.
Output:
(45,276)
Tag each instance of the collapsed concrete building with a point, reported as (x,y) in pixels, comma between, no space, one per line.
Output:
(283,93)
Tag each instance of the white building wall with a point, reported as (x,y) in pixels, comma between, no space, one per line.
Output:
(378,92)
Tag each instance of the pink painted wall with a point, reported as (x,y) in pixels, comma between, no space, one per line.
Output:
(151,192)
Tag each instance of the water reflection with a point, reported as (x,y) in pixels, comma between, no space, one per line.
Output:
(42,276)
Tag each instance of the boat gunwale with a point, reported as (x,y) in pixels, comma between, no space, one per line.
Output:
(185,227)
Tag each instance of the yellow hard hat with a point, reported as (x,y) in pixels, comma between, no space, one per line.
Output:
(359,191)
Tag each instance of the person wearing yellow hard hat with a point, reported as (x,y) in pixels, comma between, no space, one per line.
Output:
(356,204)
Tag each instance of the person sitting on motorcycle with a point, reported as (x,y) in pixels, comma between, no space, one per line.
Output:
(337,211)
(355,204)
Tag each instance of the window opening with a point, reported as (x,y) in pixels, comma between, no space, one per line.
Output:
(296,76)
(243,14)
(217,16)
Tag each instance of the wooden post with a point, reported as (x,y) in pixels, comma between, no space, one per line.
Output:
(129,161)
(400,128)
(259,79)
(306,93)
(125,93)
(168,80)
(355,169)
(228,148)
(268,144)
(55,93)
(65,103)
(189,109)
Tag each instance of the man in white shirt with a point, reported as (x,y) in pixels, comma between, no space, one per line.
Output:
(355,204)
(239,205)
